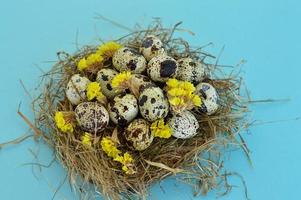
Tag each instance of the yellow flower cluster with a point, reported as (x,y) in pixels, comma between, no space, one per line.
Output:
(94,91)
(160,129)
(87,139)
(104,51)
(91,60)
(126,160)
(108,49)
(120,79)
(109,147)
(62,124)
(181,93)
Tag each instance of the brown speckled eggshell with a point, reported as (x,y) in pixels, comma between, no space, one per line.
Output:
(209,98)
(183,125)
(123,109)
(141,81)
(76,89)
(138,134)
(162,67)
(92,117)
(104,78)
(126,59)
(190,70)
(151,46)
(153,104)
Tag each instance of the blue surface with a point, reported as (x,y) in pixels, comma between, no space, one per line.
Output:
(265,33)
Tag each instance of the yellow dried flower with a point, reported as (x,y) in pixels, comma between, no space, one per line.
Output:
(94,91)
(87,139)
(118,159)
(109,147)
(172,83)
(82,64)
(62,124)
(160,129)
(90,61)
(120,79)
(125,169)
(126,160)
(94,59)
(187,86)
(181,95)
(197,100)
(176,92)
(176,101)
(108,49)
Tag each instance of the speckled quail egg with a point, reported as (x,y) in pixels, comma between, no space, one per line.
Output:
(162,67)
(190,70)
(123,109)
(151,46)
(104,78)
(76,89)
(140,81)
(92,116)
(153,104)
(209,98)
(138,134)
(126,59)
(183,125)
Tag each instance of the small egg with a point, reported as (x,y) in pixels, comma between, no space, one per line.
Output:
(140,81)
(151,46)
(104,78)
(126,59)
(161,68)
(92,117)
(138,134)
(153,104)
(76,89)
(123,109)
(183,125)
(190,70)
(209,98)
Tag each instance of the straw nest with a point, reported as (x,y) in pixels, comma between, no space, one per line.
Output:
(197,160)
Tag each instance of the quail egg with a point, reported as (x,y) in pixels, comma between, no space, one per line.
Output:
(161,68)
(190,70)
(92,117)
(104,78)
(151,46)
(123,109)
(140,81)
(126,59)
(152,103)
(183,125)
(209,98)
(138,134)
(76,89)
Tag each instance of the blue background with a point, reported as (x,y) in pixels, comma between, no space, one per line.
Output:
(265,33)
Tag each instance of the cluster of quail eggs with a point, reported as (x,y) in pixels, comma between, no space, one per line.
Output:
(151,67)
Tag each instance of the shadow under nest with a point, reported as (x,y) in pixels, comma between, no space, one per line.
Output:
(197,161)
